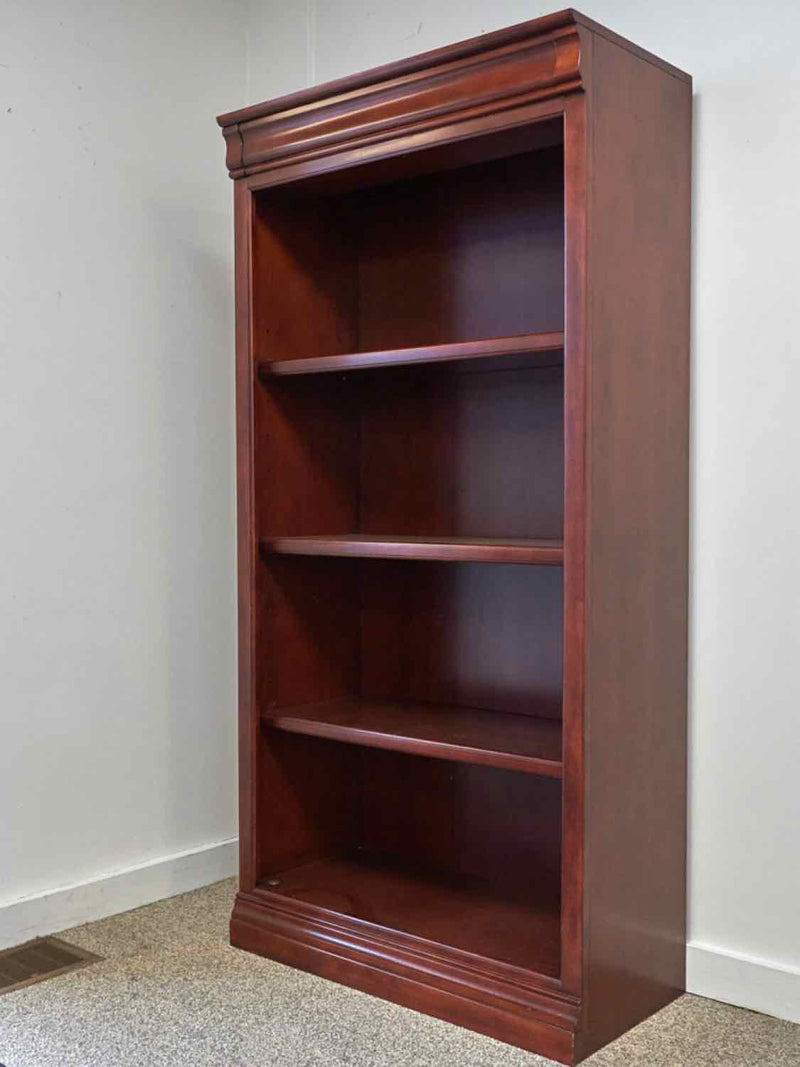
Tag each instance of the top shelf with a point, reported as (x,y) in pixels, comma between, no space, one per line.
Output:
(491,349)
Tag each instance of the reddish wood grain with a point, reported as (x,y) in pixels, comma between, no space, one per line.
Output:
(412,453)
(465,549)
(510,1003)
(495,237)
(464,634)
(245,544)
(636,638)
(465,455)
(422,95)
(467,735)
(510,69)
(576,505)
(488,350)
(522,931)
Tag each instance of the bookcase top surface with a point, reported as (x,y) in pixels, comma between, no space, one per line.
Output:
(507,69)
(531,29)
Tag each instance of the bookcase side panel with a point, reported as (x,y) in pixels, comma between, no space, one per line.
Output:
(638,376)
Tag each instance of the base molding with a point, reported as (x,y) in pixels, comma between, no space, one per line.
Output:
(97,898)
(746,981)
(494,1000)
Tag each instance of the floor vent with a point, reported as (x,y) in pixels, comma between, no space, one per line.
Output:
(38,960)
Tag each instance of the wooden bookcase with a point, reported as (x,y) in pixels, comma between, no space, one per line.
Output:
(462,292)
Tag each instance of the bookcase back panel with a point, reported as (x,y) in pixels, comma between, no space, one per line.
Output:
(417,452)
(500,828)
(474,454)
(464,254)
(475,635)
(462,855)
(468,634)
(474,252)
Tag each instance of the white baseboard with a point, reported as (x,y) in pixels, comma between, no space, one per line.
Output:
(59,909)
(759,985)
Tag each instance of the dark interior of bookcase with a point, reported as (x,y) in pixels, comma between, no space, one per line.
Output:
(409,754)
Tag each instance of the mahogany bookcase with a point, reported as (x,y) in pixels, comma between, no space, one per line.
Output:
(462,322)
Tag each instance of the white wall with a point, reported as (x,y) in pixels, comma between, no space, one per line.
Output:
(745,686)
(117,627)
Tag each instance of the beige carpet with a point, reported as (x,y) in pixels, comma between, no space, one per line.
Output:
(172,992)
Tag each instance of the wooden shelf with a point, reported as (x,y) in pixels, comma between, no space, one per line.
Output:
(465,735)
(520,927)
(527,344)
(547,552)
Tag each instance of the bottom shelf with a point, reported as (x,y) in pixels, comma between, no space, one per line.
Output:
(520,928)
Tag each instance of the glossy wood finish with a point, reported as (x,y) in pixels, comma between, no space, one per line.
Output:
(341,293)
(576,502)
(433,445)
(412,453)
(385,111)
(375,115)
(465,549)
(523,931)
(360,815)
(478,837)
(636,644)
(245,542)
(494,236)
(503,221)
(487,351)
(465,634)
(466,735)
(462,988)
